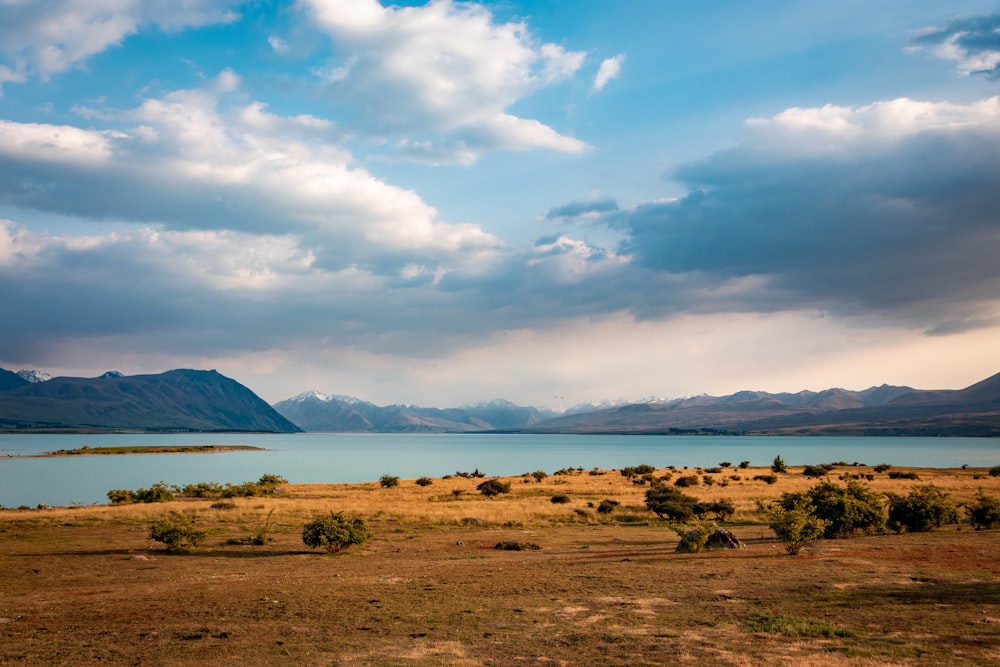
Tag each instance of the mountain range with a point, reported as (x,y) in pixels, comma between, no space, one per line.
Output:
(178,400)
(191,400)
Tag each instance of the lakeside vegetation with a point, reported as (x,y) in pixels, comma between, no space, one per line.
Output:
(149,449)
(431,576)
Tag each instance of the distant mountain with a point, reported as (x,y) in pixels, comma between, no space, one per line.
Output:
(318,412)
(884,410)
(11,380)
(178,400)
(33,376)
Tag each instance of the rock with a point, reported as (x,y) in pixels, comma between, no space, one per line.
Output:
(718,538)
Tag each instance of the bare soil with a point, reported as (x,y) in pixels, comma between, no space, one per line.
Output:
(88,586)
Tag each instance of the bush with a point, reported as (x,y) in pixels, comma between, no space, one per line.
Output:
(388,481)
(845,510)
(637,471)
(424,481)
(769,479)
(539,475)
(669,503)
(693,538)
(923,508)
(881,467)
(200,490)
(177,531)
(814,471)
(157,493)
(335,532)
(724,464)
(687,480)
(985,512)
(121,496)
(493,487)
(266,485)
(744,465)
(995,471)
(722,509)
(778,465)
(795,526)
(560,499)
(607,506)
(897,474)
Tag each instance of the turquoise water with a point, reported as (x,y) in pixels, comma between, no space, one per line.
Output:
(313,457)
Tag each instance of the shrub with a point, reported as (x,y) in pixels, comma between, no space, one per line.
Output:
(769,479)
(687,480)
(388,481)
(897,474)
(693,538)
(424,481)
(724,464)
(223,505)
(995,471)
(713,471)
(560,499)
(923,508)
(814,471)
(539,475)
(795,526)
(707,480)
(177,531)
(845,510)
(335,531)
(607,506)
(157,493)
(881,467)
(639,470)
(722,509)
(744,465)
(778,465)
(493,487)
(200,490)
(121,496)
(669,503)
(985,512)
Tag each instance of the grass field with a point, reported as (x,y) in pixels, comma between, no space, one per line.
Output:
(86,585)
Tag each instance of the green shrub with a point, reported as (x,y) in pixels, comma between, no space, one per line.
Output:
(814,471)
(744,465)
(424,481)
(493,487)
(560,499)
(388,481)
(200,490)
(923,508)
(845,510)
(796,526)
(177,531)
(985,512)
(881,467)
(607,506)
(121,496)
(778,465)
(223,505)
(995,471)
(693,538)
(157,493)
(769,479)
(898,474)
(722,509)
(539,475)
(687,480)
(725,464)
(335,532)
(669,503)
(637,471)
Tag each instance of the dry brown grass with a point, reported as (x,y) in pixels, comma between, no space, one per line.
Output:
(86,585)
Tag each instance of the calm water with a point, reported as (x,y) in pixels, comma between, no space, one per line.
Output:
(364,457)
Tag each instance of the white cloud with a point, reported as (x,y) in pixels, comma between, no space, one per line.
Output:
(609,70)
(973,43)
(277,44)
(45,38)
(444,68)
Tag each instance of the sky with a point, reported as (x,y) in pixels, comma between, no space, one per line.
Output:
(441,203)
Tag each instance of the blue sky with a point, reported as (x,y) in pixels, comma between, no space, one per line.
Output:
(552,202)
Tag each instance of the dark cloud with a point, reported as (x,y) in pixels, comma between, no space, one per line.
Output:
(908,228)
(579,209)
(973,41)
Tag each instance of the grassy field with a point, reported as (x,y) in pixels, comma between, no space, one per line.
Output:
(86,585)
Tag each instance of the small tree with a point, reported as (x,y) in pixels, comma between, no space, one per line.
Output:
(985,512)
(424,481)
(845,510)
(796,526)
(778,465)
(177,531)
(670,503)
(388,481)
(121,496)
(335,532)
(607,506)
(923,508)
(493,487)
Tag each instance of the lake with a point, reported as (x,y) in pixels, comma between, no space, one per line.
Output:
(351,457)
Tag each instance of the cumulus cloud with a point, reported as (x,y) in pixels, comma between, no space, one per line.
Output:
(201,158)
(972,43)
(443,75)
(49,36)
(888,208)
(609,70)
